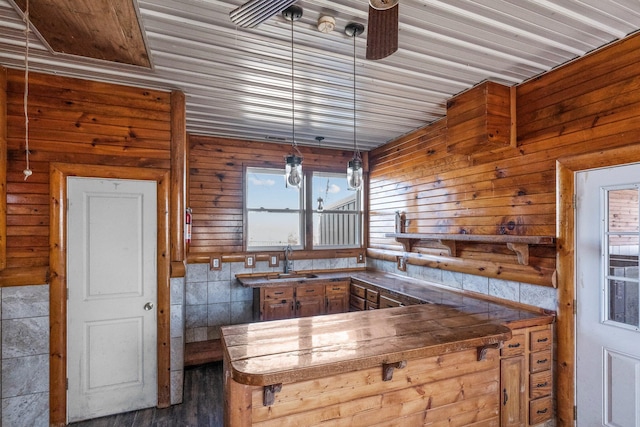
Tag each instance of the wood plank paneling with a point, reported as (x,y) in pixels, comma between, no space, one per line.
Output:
(216,167)
(75,122)
(587,105)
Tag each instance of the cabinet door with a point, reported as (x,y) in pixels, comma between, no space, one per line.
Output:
(337,298)
(512,392)
(309,306)
(277,309)
(276,303)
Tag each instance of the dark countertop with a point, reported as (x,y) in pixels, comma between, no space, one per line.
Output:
(292,350)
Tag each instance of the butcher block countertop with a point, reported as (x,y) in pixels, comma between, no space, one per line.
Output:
(293,350)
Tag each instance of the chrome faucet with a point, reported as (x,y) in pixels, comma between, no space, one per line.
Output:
(288,263)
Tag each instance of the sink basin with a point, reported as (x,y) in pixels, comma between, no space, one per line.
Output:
(292,276)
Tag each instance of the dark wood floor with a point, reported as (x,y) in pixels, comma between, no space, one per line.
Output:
(202,405)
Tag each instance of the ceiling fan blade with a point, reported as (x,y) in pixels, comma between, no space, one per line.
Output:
(382,32)
(255,12)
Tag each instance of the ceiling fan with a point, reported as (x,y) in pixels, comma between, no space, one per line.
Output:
(382,32)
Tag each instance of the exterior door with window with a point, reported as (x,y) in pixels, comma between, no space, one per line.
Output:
(607,324)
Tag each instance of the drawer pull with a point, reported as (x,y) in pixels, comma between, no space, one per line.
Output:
(541,361)
(337,289)
(542,411)
(278,293)
(514,345)
(544,384)
(505,397)
(543,339)
(310,290)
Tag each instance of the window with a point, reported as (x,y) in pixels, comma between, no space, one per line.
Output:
(622,233)
(277,216)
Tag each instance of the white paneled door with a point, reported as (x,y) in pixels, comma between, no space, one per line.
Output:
(608,337)
(112,293)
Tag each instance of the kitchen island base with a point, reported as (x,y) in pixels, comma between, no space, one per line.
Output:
(451,389)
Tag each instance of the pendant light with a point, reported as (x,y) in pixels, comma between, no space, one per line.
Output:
(293,167)
(354,167)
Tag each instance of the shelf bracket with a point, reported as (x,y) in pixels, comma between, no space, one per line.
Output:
(387,369)
(269,394)
(482,351)
(521,250)
(407,243)
(447,245)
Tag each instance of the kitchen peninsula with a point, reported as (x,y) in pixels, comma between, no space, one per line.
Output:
(438,362)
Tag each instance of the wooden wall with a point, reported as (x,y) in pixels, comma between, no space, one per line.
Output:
(587,105)
(216,186)
(77,122)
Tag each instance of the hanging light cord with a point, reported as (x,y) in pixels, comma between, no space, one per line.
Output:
(27,172)
(294,144)
(356,153)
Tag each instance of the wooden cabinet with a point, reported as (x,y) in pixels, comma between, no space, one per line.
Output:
(276,303)
(337,297)
(526,380)
(285,302)
(309,300)
(513,383)
(363,297)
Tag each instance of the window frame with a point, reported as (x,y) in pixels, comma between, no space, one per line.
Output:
(306,225)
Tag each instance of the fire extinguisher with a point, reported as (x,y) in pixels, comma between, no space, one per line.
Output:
(187,228)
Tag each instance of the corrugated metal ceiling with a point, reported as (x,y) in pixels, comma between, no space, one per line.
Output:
(238,81)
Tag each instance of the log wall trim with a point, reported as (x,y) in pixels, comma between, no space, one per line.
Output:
(566,169)
(58,282)
(3,168)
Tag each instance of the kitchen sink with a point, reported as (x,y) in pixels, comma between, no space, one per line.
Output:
(291,276)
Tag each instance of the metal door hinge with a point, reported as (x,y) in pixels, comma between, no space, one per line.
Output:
(575,202)
(67,383)
(575,413)
(575,306)
(67,292)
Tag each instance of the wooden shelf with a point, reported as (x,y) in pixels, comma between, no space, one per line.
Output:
(518,244)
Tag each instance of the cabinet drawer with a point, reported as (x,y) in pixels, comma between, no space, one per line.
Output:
(539,384)
(372,306)
(540,410)
(386,302)
(356,302)
(541,340)
(309,290)
(358,290)
(514,347)
(372,296)
(278,293)
(337,288)
(540,361)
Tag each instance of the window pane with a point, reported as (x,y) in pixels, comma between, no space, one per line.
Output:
(332,189)
(336,229)
(623,210)
(266,189)
(266,229)
(623,301)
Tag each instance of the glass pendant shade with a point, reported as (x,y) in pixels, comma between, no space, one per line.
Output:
(293,171)
(354,174)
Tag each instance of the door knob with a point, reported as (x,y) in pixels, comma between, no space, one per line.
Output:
(148,306)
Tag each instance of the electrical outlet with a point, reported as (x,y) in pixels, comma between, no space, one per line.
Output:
(361,258)
(250,261)
(274,260)
(215,263)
